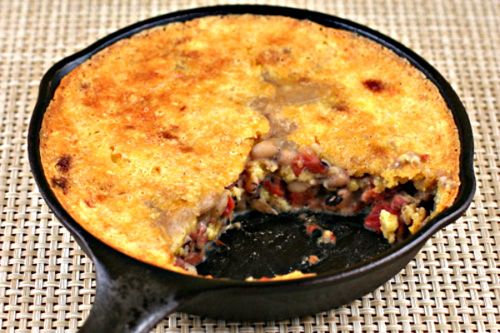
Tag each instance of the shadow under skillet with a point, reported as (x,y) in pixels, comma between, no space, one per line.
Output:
(267,245)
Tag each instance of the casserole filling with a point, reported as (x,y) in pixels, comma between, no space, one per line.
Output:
(280,177)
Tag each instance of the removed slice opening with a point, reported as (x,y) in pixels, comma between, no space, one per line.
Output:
(280,176)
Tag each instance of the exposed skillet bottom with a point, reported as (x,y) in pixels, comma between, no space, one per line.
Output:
(268,245)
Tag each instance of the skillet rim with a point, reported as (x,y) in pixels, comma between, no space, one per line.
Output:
(53,76)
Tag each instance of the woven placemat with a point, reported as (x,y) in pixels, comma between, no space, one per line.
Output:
(46,281)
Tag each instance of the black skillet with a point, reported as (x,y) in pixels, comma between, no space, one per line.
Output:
(133,296)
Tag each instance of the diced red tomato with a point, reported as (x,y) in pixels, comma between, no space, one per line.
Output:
(310,228)
(370,196)
(424,157)
(194,258)
(308,160)
(179,262)
(297,165)
(313,164)
(398,201)
(229,207)
(199,236)
(372,221)
(274,187)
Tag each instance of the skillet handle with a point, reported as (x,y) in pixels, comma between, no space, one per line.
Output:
(132,297)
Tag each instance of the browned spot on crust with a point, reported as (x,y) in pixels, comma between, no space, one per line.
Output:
(304,80)
(279,40)
(95,197)
(378,150)
(90,100)
(89,203)
(60,182)
(64,163)
(324,119)
(193,54)
(145,76)
(183,108)
(182,40)
(100,91)
(341,108)
(168,135)
(186,149)
(100,197)
(374,85)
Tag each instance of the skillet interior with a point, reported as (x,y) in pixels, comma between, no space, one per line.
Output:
(145,291)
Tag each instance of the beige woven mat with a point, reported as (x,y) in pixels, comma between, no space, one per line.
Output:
(46,281)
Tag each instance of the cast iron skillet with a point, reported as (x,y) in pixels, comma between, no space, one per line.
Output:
(133,296)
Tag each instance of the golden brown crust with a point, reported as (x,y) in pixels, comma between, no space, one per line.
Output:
(137,136)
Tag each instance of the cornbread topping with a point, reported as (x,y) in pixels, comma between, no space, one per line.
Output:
(155,142)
